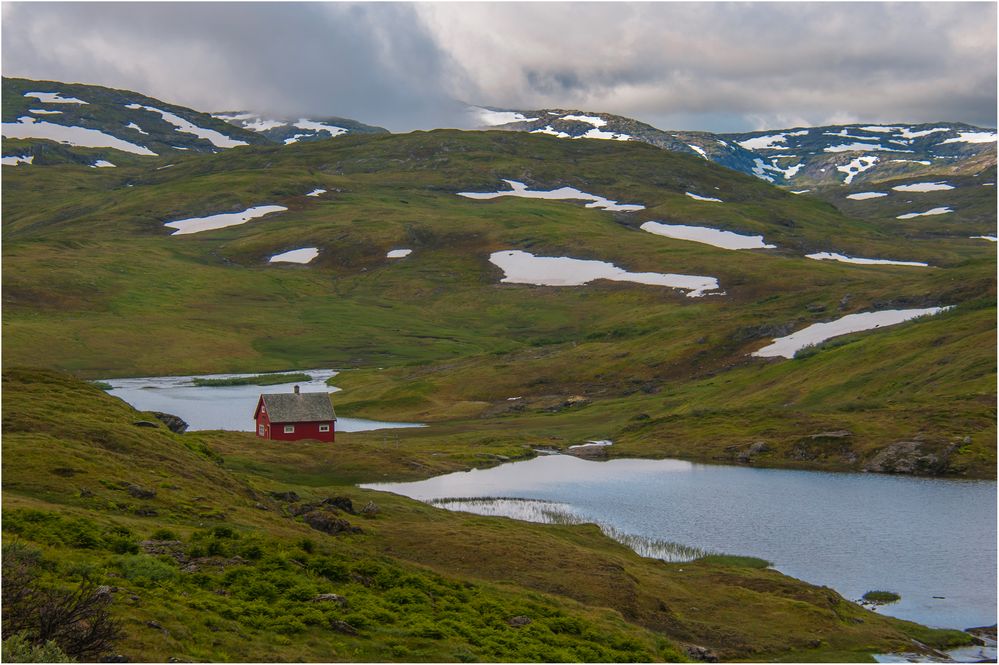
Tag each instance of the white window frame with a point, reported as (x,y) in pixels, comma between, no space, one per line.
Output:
(289,429)
(324,428)
(261,430)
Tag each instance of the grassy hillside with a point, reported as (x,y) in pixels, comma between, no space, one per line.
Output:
(205,557)
(94,284)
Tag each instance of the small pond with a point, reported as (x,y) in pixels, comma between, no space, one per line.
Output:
(225,407)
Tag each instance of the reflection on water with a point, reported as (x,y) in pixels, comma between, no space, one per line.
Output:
(225,407)
(932,541)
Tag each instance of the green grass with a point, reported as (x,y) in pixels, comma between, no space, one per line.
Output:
(258,380)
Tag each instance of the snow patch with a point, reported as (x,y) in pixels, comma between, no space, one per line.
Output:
(863,196)
(294,139)
(489,118)
(262,125)
(591,119)
(800,191)
(14,160)
(828,256)
(44,112)
(600,134)
(819,332)
(102,164)
(217,139)
(220,221)
(878,128)
(703,198)
(989,238)
(851,147)
(520,189)
(303,255)
(333,130)
(923,187)
(316,192)
(768,142)
(398,253)
(856,166)
(909,134)
(910,161)
(134,126)
(972,137)
(591,444)
(698,149)
(80,137)
(549,130)
(54,98)
(934,211)
(706,235)
(526,268)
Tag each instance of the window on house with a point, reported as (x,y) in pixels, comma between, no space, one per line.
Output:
(260,430)
(324,428)
(289,429)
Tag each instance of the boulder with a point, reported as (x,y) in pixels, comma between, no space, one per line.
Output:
(174,423)
(370,509)
(702,654)
(911,457)
(327,522)
(140,492)
(145,423)
(343,627)
(285,496)
(331,598)
(518,621)
(341,502)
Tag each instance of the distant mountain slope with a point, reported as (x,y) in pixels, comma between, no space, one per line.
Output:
(802,157)
(50,122)
(847,154)
(573,124)
(50,114)
(293,130)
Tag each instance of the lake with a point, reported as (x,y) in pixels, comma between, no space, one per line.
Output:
(225,407)
(932,541)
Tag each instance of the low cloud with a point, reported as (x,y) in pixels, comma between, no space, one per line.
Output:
(712,66)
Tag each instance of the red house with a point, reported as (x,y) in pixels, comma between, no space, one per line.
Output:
(294,416)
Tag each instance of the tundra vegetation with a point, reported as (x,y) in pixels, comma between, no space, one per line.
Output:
(202,560)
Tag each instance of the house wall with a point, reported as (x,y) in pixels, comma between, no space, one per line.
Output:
(302,431)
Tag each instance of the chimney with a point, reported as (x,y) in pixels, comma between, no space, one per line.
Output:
(296,390)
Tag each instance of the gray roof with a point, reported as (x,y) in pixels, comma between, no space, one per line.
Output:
(298,407)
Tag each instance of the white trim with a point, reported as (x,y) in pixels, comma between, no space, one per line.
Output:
(289,429)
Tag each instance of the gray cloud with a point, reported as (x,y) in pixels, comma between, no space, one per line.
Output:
(714,66)
(375,63)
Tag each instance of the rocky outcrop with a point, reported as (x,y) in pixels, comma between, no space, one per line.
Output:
(914,457)
(174,423)
(328,522)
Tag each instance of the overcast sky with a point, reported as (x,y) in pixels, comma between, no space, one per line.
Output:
(710,66)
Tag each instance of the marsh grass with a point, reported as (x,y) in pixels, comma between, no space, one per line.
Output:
(258,380)
(552,512)
(882,597)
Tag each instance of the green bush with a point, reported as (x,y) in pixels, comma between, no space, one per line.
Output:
(143,569)
(19,649)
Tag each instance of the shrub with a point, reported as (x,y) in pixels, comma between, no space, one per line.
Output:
(143,569)
(77,621)
(164,534)
(19,649)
